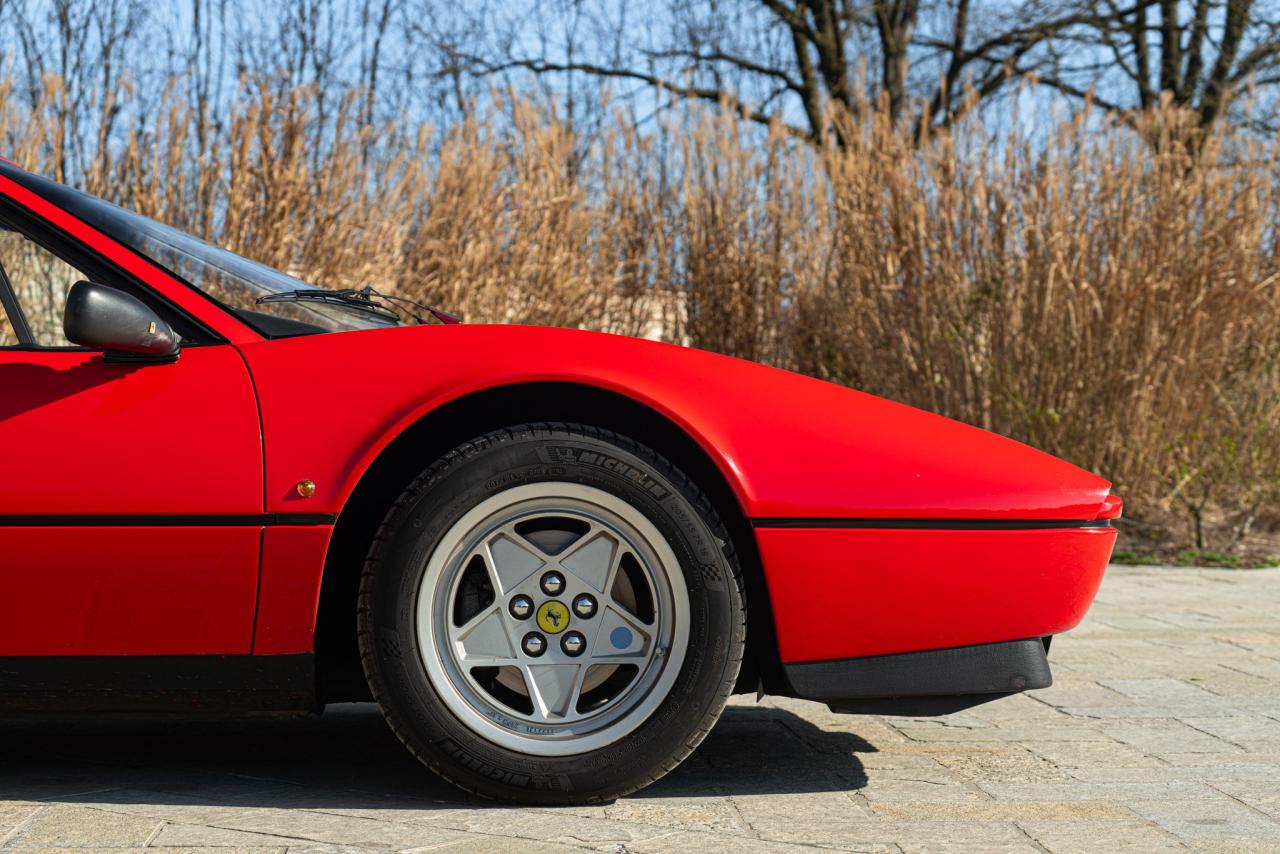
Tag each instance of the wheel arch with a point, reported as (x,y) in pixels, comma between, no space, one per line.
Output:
(448,425)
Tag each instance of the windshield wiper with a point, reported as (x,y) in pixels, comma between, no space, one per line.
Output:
(347,298)
(439,314)
(363,298)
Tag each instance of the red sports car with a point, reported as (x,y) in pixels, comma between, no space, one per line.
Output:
(549,555)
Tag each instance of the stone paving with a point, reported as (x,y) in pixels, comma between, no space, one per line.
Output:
(1162,732)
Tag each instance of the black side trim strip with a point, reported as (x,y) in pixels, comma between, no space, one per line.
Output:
(932,524)
(166,521)
(301,519)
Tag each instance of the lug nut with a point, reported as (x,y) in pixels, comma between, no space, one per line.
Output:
(521,607)
(534,644)
(584,606)
(552,583)
(573,643)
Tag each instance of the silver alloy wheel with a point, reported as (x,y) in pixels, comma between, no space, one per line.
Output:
(574,540)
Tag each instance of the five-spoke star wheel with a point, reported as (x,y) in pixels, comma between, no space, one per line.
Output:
(554,616)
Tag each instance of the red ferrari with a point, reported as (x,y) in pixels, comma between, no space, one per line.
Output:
(549,555)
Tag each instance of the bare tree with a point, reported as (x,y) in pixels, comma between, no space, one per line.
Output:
(788,61)
(86,46)
(375,21)
(1198,55)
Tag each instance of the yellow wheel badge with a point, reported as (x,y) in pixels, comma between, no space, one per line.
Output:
(553,617)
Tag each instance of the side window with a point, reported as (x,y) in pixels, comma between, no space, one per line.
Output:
(40,281)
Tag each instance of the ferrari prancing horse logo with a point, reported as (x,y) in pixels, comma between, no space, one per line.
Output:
(553,617)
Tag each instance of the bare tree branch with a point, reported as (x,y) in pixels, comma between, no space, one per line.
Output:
(714,95)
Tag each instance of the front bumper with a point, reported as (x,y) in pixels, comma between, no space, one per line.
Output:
(930,682)
(854,592)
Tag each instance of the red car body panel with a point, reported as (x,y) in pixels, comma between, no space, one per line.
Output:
(788,445)
(84,438)
(232,428)
(908,590)
(90,591)
(866,458)
(165,439)
(292,567)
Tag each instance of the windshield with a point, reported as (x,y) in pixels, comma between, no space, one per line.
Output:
(234,281)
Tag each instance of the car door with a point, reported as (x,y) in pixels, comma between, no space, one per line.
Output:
(130,495)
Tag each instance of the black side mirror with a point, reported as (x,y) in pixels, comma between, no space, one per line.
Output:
(121,325)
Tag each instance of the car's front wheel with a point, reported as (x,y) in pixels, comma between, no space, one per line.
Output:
(551,613)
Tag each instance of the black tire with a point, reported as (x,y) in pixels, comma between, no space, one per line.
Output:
(528,454)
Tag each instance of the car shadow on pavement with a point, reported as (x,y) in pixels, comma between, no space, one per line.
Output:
(348,758)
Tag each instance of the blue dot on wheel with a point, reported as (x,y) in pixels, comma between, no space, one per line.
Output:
(620,637)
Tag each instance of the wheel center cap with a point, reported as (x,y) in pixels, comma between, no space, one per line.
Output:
(553,617)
